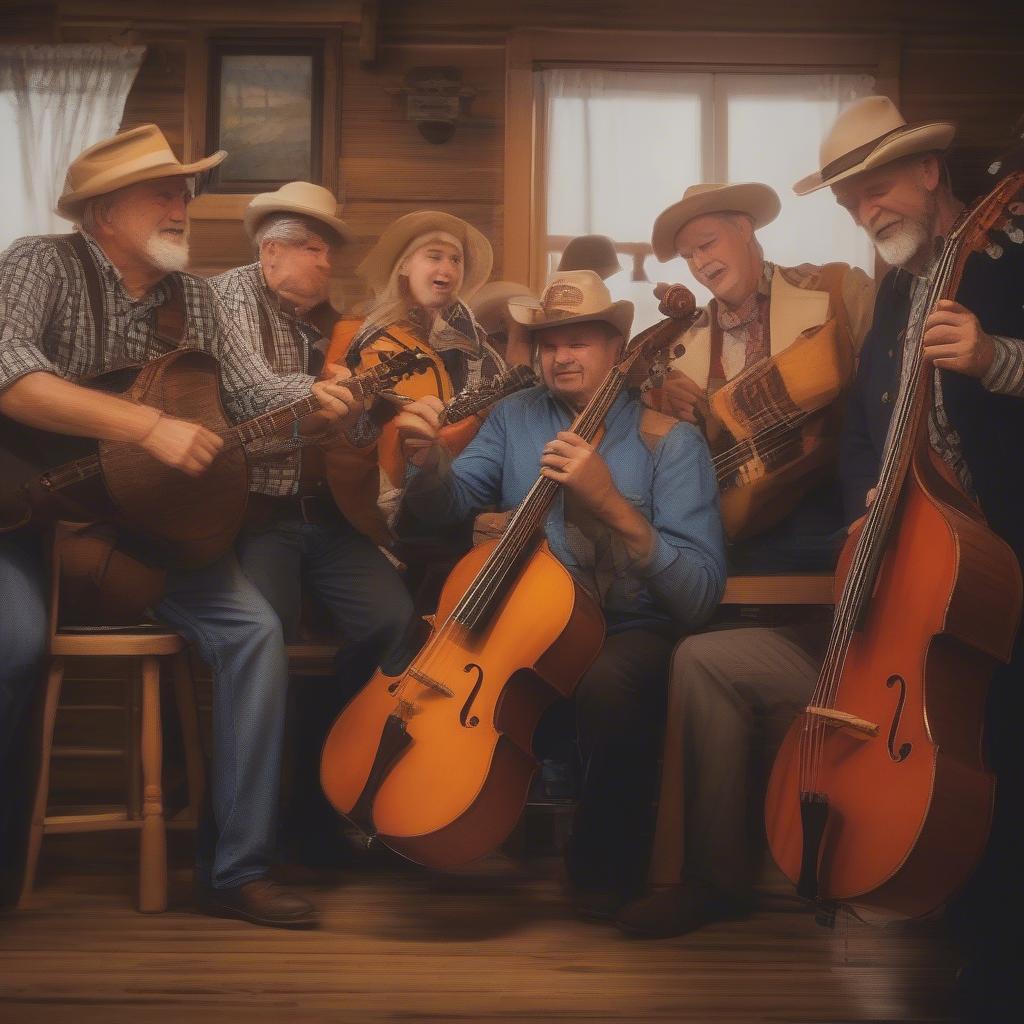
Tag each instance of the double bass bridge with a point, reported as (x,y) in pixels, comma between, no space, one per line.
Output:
(843,720)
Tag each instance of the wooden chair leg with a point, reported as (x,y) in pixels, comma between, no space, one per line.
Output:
(195,767)
(133,767)
(54,682)
(153,840)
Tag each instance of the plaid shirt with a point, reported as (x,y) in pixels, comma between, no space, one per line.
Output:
(46,324)
(242,291)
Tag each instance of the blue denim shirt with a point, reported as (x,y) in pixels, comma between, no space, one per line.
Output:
(673,487)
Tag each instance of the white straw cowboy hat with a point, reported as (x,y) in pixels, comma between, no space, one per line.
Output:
(490,303)
(757,201)
(391,246)
(867,134)
(590,252)
(301,197)
(140,154)
(572,297)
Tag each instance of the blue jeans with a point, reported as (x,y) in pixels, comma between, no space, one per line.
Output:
(238,635)
(23,634)
(367,600)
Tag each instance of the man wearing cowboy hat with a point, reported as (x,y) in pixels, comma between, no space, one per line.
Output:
(637,525)
(891,177)
(724,682)
(79,304)
(295,532)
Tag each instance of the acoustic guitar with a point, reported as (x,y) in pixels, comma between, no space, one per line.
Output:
(189,521)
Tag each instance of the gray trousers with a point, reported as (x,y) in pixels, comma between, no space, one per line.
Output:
(732,694)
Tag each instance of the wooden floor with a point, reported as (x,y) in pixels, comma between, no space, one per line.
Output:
(494,944)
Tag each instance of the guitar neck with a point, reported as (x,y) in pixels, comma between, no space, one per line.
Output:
(508,383)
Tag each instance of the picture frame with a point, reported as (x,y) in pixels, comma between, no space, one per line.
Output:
(265,107)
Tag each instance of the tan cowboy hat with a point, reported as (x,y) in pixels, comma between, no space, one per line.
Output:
(572,297)
(476,250)
(300,197)
(590,252)
(867,134)
(757,201)
(490,303)
(140,154)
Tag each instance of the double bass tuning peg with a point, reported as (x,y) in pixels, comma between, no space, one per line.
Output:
(993,250)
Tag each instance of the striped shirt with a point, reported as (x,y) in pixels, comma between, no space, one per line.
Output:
(46,324)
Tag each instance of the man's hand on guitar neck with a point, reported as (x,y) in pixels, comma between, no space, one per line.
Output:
(339,409)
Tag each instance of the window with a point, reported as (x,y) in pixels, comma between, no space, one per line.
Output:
(620,145)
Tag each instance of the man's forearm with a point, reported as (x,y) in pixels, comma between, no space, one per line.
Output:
(634,530)
(49,402)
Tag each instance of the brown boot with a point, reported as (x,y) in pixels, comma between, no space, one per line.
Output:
(669,910)
(260,902)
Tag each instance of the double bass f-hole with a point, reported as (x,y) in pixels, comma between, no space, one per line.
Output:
(471,721)
(905,748)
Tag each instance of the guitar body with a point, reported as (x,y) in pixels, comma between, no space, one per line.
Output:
(909,808)
(448,784)
(195,518)
(189,520)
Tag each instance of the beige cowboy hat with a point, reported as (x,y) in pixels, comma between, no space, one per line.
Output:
(139,154)
(572,297)
(490,303)
(757,201)
(590,252)
(301,197)
(392,245)
(867,134)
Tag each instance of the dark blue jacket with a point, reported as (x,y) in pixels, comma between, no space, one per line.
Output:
(991,426)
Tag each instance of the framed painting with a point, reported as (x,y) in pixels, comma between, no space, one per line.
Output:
(265,107)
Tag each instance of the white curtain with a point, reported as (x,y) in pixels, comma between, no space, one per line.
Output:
(622,145)
(55,101)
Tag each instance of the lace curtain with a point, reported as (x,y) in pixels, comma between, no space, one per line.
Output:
(55,101)
(622,145)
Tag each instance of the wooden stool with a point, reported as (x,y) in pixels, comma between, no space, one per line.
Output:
(144,749)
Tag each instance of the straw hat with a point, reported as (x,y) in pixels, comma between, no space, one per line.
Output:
(590,252)
(300,197)
(869,133)
(140,154)
(476,250)
(752,198)
(572,297)
(490,303)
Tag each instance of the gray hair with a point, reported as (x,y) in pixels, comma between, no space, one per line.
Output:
(291,229)
(88,217)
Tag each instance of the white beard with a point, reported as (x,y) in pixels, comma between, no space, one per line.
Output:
(165,255)
(899,249)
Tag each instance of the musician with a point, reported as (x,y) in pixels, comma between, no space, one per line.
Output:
(489,306)
(422,271)
(757,311)
(637,525)
(295,533)
(733,691)
(75,308)
(891,177)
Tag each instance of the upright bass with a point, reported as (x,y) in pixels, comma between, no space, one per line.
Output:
(879,796)
(437,762)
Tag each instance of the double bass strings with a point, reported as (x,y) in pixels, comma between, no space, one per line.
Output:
(871,542)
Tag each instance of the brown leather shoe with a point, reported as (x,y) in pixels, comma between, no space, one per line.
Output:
(260,902)
(669,910)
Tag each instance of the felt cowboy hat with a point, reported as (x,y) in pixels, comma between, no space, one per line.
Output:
(867,134)
(398,240)
(591,252)
(757,201)
(299,197)
(139,154)
(490,303)
(573,297)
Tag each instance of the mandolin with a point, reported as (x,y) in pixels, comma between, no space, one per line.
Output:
(437,762)
(189,520)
